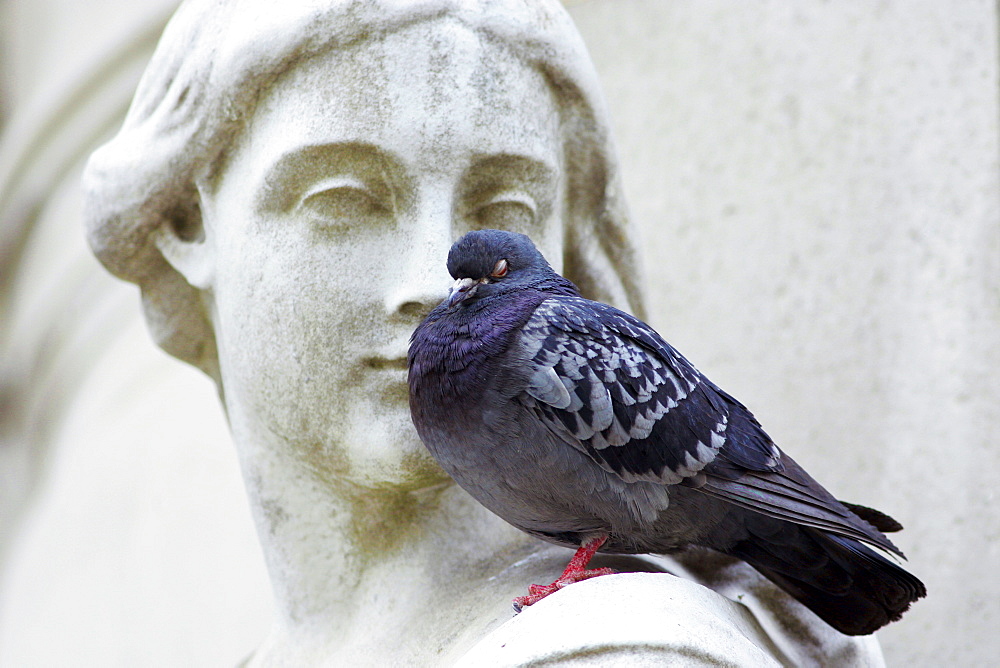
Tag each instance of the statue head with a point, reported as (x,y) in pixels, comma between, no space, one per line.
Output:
(290,176)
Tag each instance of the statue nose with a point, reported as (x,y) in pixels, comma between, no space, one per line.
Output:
(418,303)
(422,274)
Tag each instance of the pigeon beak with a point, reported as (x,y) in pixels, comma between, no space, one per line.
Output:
(462,289)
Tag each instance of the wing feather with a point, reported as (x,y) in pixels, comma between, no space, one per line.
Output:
(635,405)
(607,384)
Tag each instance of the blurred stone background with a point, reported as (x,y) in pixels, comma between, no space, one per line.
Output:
(817,190)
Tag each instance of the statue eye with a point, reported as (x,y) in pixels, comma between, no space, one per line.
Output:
(499,269)
(341,200)
(513,211)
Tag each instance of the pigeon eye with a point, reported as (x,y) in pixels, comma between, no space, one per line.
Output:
(499,269)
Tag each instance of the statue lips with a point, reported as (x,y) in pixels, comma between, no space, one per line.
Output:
(385,362)
(386,371)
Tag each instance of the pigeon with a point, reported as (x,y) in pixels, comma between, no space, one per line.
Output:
(577,423)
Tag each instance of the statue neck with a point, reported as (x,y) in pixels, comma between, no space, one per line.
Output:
(356,571)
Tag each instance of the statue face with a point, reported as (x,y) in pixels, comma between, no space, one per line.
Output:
(330,221)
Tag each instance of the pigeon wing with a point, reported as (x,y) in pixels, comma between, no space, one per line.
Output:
(607,384)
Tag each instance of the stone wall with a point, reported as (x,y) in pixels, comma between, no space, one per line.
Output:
(817,187)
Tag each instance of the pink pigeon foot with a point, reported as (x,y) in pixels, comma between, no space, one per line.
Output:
(576,570)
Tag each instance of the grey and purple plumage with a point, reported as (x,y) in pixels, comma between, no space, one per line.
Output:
(575,421)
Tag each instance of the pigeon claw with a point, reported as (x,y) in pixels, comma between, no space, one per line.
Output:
(537,592)
(576,571)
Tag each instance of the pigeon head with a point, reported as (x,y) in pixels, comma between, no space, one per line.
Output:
(491,262)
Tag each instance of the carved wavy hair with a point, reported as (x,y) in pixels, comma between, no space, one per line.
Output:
(202,84)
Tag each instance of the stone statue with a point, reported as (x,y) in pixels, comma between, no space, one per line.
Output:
(284,190)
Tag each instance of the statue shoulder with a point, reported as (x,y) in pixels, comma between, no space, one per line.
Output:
(648,619)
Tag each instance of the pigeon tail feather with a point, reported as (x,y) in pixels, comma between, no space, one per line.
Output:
(848,585)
